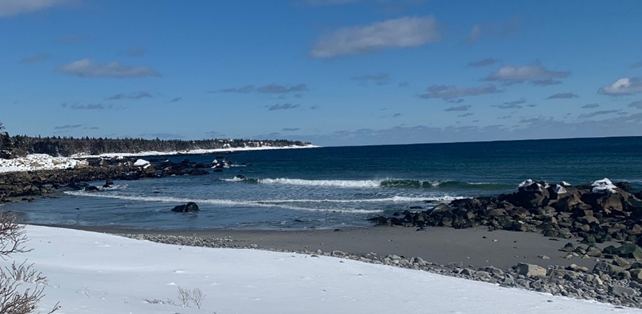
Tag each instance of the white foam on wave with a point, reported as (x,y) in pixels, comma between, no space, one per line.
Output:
(332,183)
(235,179)
(394,199)
(265,203)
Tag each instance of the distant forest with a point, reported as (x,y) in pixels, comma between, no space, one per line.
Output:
(20,145)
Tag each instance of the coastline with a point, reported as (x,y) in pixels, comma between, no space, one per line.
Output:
(473,247)
(516,260)
(191,152)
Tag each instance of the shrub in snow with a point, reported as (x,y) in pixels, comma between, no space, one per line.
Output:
(13,298)
(185,298)
(603,186)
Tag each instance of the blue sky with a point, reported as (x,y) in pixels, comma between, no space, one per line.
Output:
(334,72)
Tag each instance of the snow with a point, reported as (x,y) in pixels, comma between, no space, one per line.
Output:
(526,186)
(39,162)
(99,273)
(45,162)
(141,163)
(191,152)
(604,186)
(560,189)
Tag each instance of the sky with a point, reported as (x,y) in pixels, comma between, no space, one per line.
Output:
(332,72)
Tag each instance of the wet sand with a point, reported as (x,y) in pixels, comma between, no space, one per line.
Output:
(476,247)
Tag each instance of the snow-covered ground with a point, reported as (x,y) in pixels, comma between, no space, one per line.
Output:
(45,162)
(99,273)
(191,152)
(39,162)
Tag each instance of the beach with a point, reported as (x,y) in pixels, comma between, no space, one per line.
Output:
(474,247)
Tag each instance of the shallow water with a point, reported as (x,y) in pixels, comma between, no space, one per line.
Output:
(338,186)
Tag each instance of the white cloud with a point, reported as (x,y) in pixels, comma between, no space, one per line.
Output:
(510,74)
(88,68)
(15,7)
(449,92)
(623,86)
(396,33)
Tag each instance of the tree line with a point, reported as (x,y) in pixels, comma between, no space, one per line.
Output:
(20,145)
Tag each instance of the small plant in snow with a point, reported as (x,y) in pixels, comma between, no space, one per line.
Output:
(14,299)
(186,298)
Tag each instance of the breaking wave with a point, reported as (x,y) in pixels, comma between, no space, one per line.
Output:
(387,183)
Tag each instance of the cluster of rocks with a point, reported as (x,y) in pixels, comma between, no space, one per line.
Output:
(599,212)
(603,283)
(28,185)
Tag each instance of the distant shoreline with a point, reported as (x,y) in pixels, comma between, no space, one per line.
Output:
(191,152)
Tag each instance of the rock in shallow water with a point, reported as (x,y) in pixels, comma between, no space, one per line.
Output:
(190,207)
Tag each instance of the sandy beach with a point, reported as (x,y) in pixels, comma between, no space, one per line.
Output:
(474,247)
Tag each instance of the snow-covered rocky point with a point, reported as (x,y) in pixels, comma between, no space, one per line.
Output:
(99,273)
(193,151)
(39,162)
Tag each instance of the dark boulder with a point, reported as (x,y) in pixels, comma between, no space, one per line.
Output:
(77,185)
(190,207)
(108,183)
(92,188)
(625,186)
(198,172)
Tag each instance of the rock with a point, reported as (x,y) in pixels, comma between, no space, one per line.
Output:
(606,268)
(187,208)
(629,250)
(468,272)
(337,253)
(108,183)
(593,251)
(530,270)
(636,274)
(618,261)
(92,188)
(198,172)
(574,267)
(625,186)
(568,247)
(493,270)
(621,291)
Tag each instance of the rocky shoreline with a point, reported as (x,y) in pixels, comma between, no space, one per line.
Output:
(29,185)
(594,213)
(575,282)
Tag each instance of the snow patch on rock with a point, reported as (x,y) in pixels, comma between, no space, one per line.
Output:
(40,162)
(141,163)
(604,186)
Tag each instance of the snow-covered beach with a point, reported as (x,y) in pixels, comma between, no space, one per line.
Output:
(98,273)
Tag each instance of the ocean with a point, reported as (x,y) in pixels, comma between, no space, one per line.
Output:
(333,187)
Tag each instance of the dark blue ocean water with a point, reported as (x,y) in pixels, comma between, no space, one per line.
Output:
(339,186)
